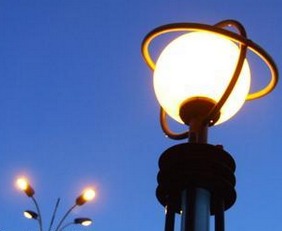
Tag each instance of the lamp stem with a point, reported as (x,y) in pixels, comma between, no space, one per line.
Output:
(198,131)
(196,201)
(219,215)
(64,217)
(38,212)
(54,214)
(66,225)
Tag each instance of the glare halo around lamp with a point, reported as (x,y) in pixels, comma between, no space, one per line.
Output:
(202,78)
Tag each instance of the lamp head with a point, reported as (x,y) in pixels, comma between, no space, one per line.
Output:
(23,184)
(83,221)
(203,74)
(29,214)
(193,72)
(87,195)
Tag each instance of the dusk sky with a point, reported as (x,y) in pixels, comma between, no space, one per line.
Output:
(78,109)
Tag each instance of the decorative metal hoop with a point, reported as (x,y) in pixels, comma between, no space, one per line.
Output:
(244,44)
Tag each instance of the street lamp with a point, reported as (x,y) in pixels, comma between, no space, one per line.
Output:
(78,221)
(23,184)
(87,195)
(29,214)
(83,221)
(202,78)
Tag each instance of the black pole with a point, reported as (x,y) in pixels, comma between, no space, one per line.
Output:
(169,218)
(219,215)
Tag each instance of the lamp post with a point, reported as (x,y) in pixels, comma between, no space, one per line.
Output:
(201,79)
(87,195)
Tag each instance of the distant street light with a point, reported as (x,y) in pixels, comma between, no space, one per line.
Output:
(79,221)
(23,184)
(29,214)
(83,221)
(86,196)
(201,78)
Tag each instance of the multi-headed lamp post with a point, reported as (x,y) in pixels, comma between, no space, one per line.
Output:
(202,78)
(87,195)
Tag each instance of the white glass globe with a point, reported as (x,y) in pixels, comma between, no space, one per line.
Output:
(200,64)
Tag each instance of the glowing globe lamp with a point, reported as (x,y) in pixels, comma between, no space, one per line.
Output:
(198,67)
(202,77)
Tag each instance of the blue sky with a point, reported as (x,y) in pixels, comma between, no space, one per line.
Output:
(78,109)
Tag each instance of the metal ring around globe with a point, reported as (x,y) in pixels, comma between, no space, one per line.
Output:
(166,129)
(236,74)
(182,27)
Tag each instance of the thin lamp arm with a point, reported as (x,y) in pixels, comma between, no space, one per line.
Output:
(54,214)
(64,217)
(38,212)
(66,225)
